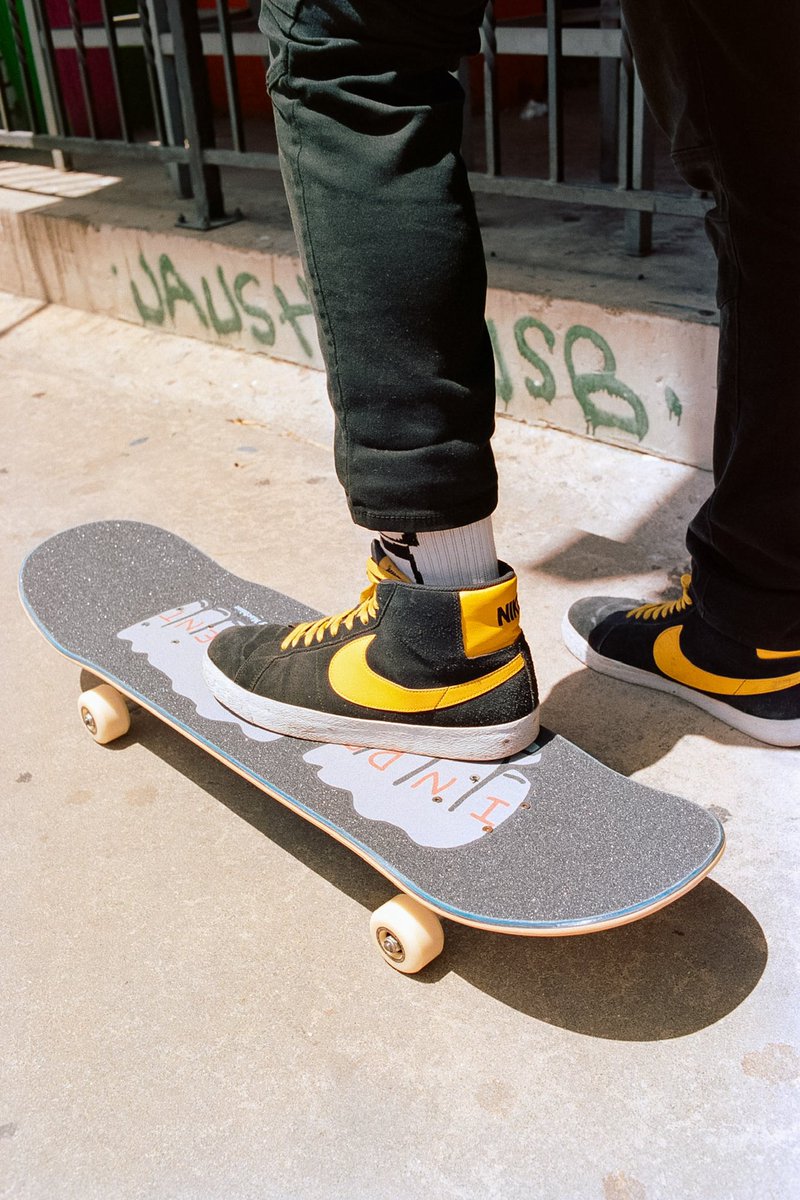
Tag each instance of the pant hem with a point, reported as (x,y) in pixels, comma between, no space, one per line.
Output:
(746,616)
(416,521)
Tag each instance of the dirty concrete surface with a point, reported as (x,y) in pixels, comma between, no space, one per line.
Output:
(565,300)
(191,1006)
(567,251)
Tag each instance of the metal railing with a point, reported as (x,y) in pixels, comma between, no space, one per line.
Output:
(54,59)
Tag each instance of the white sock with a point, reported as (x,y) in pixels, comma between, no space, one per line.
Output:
(447,557)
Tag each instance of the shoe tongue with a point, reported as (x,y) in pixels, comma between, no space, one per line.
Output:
(384,566)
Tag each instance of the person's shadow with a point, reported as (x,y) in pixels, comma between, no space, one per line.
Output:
(669,975)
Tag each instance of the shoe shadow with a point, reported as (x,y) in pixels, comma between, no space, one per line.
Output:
(629,727)
(671,975)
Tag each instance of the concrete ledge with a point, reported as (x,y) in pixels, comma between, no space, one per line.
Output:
(637,377)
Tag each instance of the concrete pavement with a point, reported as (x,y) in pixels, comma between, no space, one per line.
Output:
(191,1006)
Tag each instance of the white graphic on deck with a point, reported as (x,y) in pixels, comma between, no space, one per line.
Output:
(436,801)
(175,642)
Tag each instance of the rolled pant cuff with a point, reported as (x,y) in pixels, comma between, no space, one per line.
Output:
(766,620)
(413,521)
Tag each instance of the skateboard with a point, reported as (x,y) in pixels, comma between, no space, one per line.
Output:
(549,842)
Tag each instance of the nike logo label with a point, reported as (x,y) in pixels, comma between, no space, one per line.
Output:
(672,662)
(354,680)
(508,612)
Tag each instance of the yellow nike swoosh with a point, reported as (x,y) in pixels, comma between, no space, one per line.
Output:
(670,659)
(352,678)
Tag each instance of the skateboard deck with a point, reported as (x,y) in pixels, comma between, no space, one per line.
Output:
(549,842)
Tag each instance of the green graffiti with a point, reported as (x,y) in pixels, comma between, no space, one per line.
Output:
(176,288)
(588,384)
(172,289)
(150,316)
(233,324)
(674,406)
(545,390)
(265,336)
(290,313)
(503,384)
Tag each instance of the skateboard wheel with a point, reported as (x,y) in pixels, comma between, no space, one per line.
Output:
(104,713)
(408,935)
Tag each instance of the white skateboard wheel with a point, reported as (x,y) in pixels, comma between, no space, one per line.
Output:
(408,935)
(104,713)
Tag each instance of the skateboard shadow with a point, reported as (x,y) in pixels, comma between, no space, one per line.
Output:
(670,975)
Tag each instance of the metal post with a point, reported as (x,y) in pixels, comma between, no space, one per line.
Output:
(555,99)
(83,65)
(198,120)
(165,97)
(490,108)
(609,98)
(231,82)
(44,62)
(113,50)
(639,225)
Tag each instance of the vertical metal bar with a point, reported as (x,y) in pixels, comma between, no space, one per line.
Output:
(5,104)
(231,82)
(609,98)
(491,118)
(83,67)
(624,126)
(169,118)
(152,59)
(44,61)
(639,225)
(19,46)
(467,122)
(197,115)
(113,51)
(555,94)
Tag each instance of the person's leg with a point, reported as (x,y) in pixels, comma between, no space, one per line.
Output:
(724,85)
(369,127)
(723,81)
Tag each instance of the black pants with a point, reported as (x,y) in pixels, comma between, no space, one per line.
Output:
(369,128)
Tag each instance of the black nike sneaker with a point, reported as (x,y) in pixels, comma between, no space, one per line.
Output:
(670,647)
(443,671)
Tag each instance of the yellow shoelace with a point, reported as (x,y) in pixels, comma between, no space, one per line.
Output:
(654,612)
(364,611)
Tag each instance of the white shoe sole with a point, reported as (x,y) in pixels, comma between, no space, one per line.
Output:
(483,743)
(774,733)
